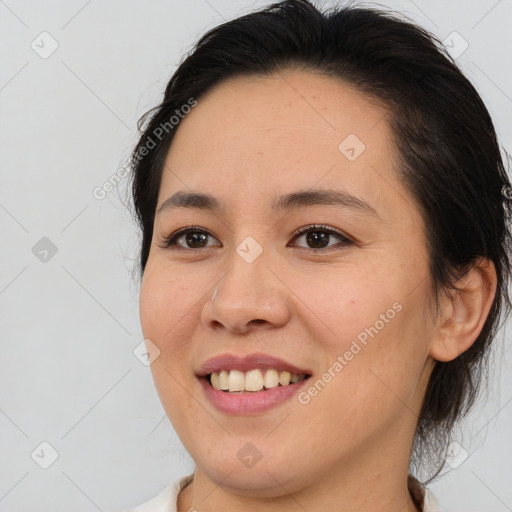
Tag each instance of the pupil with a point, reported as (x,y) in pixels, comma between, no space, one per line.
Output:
(313,237)
(193,237)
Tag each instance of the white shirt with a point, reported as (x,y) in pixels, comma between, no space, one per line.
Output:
(166,501)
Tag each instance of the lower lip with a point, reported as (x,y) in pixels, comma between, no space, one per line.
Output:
(249,403)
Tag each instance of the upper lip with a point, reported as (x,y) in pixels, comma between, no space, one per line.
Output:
(248,362)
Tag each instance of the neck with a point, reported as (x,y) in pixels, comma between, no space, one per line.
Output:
(369,486)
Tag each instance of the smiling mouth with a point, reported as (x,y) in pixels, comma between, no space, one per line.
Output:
(252,381)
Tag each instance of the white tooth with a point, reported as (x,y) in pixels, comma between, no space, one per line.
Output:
(223,380)
(294,378)
(253,380)
(284,378)
(214,379)
(271,379)
(236,381)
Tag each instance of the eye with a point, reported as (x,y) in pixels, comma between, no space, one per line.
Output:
(193,237)
(319,236)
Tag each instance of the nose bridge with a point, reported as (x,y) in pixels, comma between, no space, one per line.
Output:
(248,275)
(248,291)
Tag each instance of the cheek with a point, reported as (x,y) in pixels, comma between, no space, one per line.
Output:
(346,300)
(376,343)
(169,309)
(164,299)
(370,385)
(163,307)
(382,360)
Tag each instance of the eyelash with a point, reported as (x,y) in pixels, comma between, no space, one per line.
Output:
(170,241)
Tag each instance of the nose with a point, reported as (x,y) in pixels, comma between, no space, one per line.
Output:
(249,296)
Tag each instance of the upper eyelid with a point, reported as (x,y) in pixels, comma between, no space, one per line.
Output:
(319,227)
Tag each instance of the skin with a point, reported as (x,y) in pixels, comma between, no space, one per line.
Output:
(348,449)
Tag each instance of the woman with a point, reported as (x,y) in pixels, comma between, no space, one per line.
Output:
(325,258)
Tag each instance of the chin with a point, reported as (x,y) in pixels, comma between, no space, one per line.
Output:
(268,477)
(251,482)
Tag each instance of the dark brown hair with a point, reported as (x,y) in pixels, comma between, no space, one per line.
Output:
(449,156)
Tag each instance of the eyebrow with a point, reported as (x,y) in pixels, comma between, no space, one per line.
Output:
(291,201)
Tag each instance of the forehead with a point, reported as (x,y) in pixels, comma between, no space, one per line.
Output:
(293,105)
(269,135)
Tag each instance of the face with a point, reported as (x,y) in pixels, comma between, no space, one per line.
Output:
(316,256)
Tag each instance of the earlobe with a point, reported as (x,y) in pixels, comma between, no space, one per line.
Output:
(463,311)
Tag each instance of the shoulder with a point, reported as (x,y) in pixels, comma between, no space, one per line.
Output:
(166,500)
(422,496)
(430,503)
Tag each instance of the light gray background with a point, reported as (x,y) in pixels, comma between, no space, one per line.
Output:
(68,374)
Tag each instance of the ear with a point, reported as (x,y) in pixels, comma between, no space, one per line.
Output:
(463,311)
